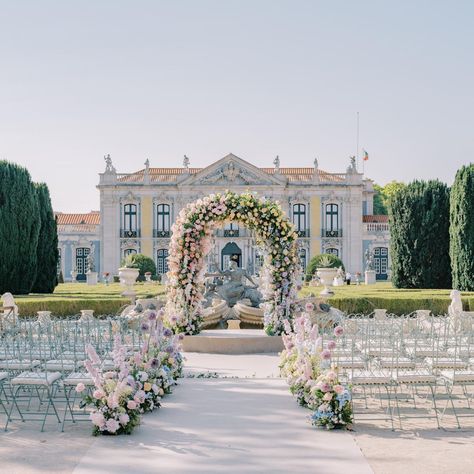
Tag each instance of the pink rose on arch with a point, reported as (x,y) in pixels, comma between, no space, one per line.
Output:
(338,331)
(80,387)
(131,405)
(327,397)
(338,389)
(331,345)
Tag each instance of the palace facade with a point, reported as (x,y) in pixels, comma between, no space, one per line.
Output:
(332,213)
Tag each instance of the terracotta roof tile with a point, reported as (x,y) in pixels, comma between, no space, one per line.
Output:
(170,174)
(375,219)
(91,218)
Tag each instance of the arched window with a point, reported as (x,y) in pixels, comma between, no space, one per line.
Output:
(130,220)
(162,261)
(302,255)
(333,251)
(162,220)
(128,252)
(332,220)
(299,219)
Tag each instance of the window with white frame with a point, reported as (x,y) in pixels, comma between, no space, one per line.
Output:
(162,261)
(163,220)
(299,219)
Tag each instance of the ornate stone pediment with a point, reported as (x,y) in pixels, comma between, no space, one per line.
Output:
(232,170)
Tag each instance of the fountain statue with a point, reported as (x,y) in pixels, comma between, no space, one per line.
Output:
(232,289)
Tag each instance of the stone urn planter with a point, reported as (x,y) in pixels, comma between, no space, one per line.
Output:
(44,317)
(326,275)
(128,276)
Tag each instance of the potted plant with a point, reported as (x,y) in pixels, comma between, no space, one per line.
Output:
(326,273)
(128,274)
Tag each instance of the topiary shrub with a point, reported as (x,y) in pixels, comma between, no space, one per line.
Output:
(462,229)
(419,236)
(315,262)
(144,264)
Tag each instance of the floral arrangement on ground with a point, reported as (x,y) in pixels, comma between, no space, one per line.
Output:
(191,242)
(138,380)
(306,363)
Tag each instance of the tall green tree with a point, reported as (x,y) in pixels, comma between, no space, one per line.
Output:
(419,235)
(47,250)
(383,196)
(19,229)
(462,229)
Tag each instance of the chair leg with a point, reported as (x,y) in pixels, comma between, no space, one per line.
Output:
(389,407)
(433,397)
(13,405)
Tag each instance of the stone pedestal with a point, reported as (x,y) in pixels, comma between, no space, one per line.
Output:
(233,324)
(87,315)
(92,278)
(370,277)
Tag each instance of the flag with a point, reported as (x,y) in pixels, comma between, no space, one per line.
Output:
(366,156)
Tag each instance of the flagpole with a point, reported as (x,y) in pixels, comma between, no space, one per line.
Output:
(357,141)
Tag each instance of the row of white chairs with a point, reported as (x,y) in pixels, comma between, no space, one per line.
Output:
(408,358)
(42,363)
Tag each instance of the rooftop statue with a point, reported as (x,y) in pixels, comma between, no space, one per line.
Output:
(276,162)
(233,289)
(109,167)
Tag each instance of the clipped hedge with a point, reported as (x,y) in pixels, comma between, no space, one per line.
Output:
(70,307)
(395,306)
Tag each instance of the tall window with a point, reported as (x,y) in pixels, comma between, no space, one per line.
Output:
(231,229)
(332,219)
(162,261)
(163,220)
(299,218)
(130,220)
(302,255)
(81,262)
(259,260)
(333,251)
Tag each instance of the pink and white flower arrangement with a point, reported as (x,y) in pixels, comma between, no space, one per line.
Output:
(191,242)
(137,382)
(306,365)
(111,395)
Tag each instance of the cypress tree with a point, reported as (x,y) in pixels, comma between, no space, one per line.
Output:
(419,236)
(47,250)
(462,229)
(19,229)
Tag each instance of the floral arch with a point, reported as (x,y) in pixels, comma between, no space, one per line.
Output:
(191,242)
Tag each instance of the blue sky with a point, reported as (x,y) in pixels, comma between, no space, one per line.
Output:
(157,80)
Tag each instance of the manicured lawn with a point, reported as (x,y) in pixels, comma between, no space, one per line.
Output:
(362,298)
(70,298)
(384,289)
